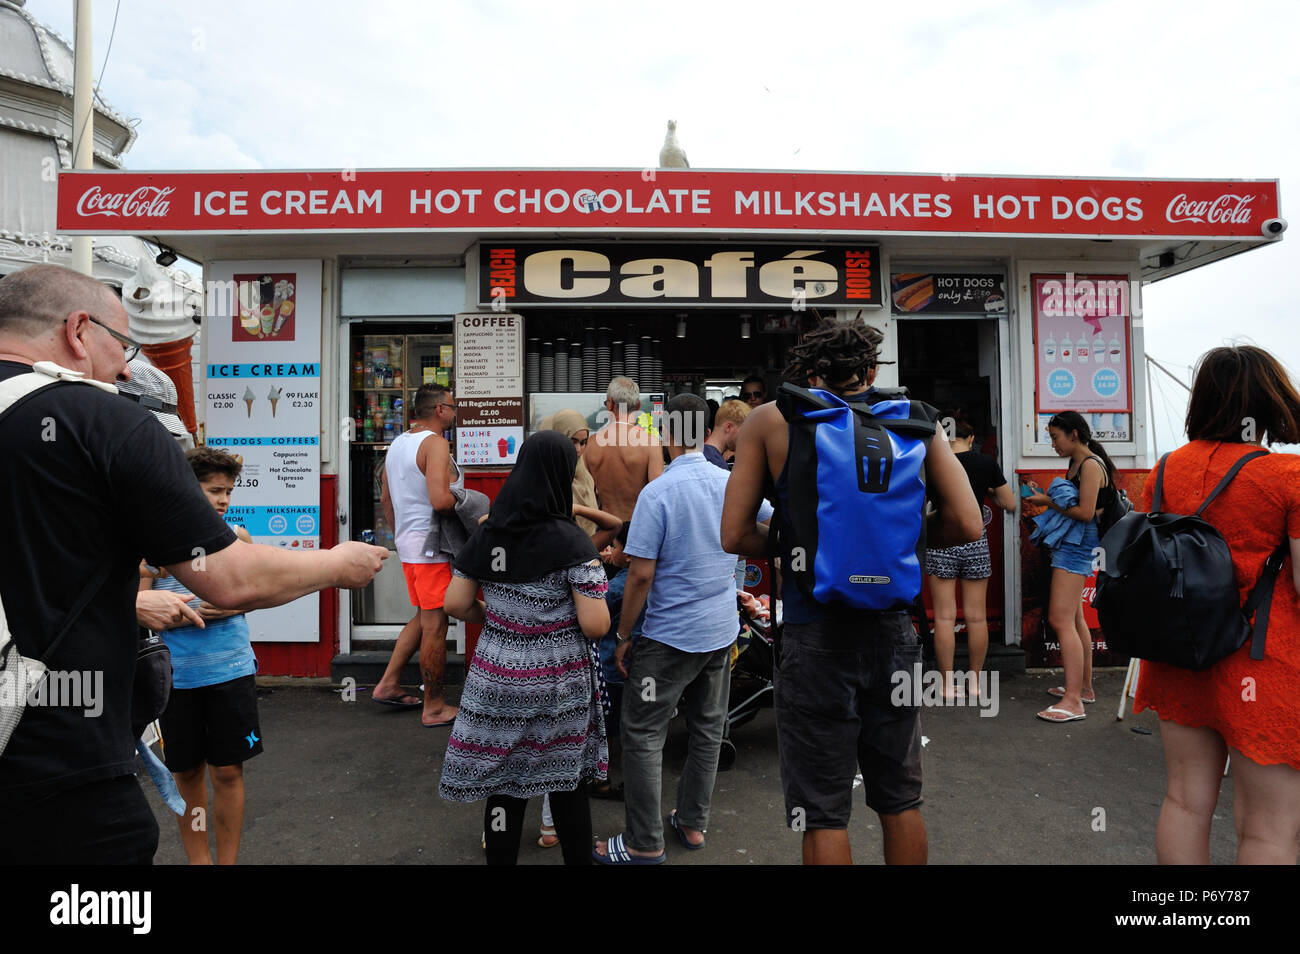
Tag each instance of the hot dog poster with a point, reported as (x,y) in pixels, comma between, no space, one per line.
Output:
(948,294)
(1081,343)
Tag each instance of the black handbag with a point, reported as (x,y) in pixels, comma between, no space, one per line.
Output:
(153,681)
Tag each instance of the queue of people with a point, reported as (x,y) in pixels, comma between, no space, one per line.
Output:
(604,576)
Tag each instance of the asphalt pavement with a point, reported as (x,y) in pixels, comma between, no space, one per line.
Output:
(350,782)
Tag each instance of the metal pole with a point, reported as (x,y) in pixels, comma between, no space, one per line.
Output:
(1151,410)
(83,122)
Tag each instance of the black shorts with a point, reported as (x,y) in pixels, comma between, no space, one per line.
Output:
(213,724)
(101,823)
(834,716)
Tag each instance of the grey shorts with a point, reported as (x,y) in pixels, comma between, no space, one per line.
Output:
(835,717)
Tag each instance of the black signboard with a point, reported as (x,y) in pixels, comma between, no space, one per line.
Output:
(948,293)
(735,274)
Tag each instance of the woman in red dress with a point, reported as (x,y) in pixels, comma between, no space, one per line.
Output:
(1239,707)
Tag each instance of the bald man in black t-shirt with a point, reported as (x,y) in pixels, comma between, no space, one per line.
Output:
(90,484)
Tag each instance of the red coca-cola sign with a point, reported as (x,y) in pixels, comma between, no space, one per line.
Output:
(1229,207)
(143,202)
(680,201)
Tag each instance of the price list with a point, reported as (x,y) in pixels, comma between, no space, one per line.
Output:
(489,387)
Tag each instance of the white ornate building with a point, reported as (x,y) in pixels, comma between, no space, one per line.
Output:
(36,66)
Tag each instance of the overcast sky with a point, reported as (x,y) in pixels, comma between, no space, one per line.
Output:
(1193,89)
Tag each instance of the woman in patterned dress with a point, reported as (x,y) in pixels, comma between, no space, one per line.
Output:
(530,719)
(1240,707)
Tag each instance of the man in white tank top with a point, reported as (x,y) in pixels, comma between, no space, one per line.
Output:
(417,482)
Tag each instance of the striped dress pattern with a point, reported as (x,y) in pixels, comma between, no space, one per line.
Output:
(530,718)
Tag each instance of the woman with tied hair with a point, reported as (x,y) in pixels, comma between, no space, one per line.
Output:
(530,719)
(1241,708)
(1093,475)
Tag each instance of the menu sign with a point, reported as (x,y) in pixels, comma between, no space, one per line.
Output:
(948,294)
(489,390)
(1081,347)
(262,404)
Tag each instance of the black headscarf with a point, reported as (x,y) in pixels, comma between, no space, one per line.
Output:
(530,531)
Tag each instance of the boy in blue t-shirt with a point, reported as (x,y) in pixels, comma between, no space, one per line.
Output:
(210,726)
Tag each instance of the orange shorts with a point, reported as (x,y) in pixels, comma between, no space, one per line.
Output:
(426,583)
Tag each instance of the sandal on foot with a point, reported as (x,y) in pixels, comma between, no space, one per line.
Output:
(681,832)
(1060,715)
(548,838)
(616,853)
(1059,692)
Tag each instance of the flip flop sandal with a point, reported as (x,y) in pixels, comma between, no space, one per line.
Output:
(617,854)
(681,834)
(545,834)
(1069,716)
(397,703)
(1059,693)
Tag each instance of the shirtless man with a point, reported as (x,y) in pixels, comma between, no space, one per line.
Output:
(854,725)
(418,477)
(621,456)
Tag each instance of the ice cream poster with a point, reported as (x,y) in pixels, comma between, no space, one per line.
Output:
(1081,344)
(262,387)
(265,306)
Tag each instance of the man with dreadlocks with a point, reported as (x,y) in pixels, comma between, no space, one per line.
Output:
(835,679)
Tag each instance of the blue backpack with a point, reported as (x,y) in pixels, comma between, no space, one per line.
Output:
(854,520)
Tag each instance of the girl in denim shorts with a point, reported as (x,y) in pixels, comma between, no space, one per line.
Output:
(1093,473)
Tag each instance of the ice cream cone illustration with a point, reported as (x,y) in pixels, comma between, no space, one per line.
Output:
(274,397)
(249,398)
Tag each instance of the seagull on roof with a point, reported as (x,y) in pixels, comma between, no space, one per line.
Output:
(672,156)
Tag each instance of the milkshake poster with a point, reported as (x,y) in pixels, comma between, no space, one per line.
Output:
(266,304)
(262,352)
(1082,345)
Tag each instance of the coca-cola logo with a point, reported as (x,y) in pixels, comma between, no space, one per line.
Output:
(1227,208)
(144,201)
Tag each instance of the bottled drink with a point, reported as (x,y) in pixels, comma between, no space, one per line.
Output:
(1098,349)
(388,375)
(1116,350)
(1082,349)
(397,377)
(1067,350)
(397,413)
(369,430)
(358,373)
(1049,350)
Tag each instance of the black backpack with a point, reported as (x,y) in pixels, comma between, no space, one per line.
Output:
(1168,592)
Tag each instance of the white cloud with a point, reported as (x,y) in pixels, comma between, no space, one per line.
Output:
(1095,89)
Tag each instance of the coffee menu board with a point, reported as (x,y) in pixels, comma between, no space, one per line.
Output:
(1082,348)
(489,388)
(948,294)
(262,353)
